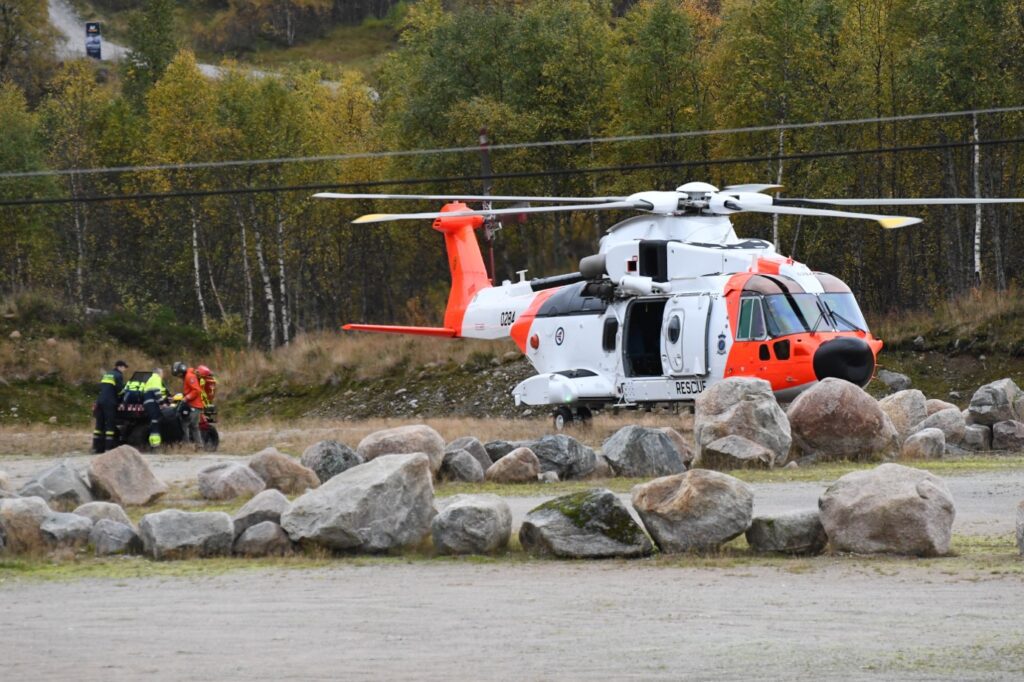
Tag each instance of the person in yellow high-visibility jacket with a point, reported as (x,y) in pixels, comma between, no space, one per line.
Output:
(154,392)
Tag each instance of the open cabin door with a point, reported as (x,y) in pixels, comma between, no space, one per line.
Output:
(684,338)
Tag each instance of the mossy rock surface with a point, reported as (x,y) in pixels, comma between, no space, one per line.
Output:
(589,524)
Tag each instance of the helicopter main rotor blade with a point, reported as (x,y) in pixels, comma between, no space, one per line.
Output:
(466,197)
(384,217)
(756,188)
(934,201)
(886,221)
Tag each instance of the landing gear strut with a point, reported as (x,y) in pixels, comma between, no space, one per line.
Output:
(564,417)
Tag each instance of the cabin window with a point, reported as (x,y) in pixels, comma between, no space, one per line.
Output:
(752,324)
(675,326)
(611,328)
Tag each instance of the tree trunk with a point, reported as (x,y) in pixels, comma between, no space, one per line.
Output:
(285,322)
(81,225)
(247,276)
(778,181)
(195,265)
(268,287)
(977,209)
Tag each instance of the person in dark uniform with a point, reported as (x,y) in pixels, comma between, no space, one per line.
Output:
(111,389)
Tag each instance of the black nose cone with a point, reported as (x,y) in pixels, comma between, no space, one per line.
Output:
(845,358)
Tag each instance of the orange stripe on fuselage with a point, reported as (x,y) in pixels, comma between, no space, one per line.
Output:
(520,330)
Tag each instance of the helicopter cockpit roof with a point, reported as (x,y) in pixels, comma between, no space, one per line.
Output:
(767,285)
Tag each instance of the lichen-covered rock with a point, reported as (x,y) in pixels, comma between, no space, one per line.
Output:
(65,530)
(734,452)
(123,476)
(384,504)
(267,506)
(474,447)
(328,458)
(637,451)
(977,438)
(264,539)
(950,421)
(1008,436)
(564,455)
(835,419)
(684,446)
(176,534)
(890,509)
(742,406)
(496,449)
(995,402)
(925,444)
(796,532)
(228,480)
(696,511)
(592,524)
(472,524)
(894,381)
(95,511)
(112,537)
(905,409)
(60,485)
(404,440)
(282,472)
(459,465)
(20,521)
(518,466)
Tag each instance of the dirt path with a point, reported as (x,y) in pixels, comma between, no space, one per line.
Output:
(539,620)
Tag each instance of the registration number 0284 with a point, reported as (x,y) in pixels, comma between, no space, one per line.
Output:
(507,318)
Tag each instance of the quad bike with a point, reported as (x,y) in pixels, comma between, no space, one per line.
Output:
(133,424)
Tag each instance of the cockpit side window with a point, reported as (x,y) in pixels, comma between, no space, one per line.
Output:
(751,323)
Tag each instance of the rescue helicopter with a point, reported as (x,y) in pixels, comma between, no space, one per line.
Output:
(673,301)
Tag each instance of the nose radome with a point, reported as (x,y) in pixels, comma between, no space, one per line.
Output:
(846,358)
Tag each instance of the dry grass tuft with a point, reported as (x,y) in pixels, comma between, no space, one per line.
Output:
(964,316)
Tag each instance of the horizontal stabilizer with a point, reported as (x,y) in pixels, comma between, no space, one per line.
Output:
(391,329)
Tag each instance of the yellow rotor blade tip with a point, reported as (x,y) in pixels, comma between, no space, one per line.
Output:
(897,221)
(371,217)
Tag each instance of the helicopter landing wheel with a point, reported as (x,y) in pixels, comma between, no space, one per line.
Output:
(562,417)
(584,415)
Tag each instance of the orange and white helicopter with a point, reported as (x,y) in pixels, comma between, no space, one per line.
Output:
(672,303)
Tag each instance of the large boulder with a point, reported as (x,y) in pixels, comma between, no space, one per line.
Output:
(905,409)
(742,406)
(925,444)
(696,511)
(123,476)
(264,539)
(684,446)
(60,485)
(637,451)
(175,534)
(96,511)
(1008,435)
(384,504)
(995,402)
(459,465)
(474,447)
(267,506)
(472,524)
(328,458)
(796,532)
(835,419)
(282,472)
(404,440)
(564,455)
(518,466)
(894,381)
(21,519)
(889,509)
(950,421)
(734,452)
(228,480)
(977,438)
(592,524)
(65,530)
(496,449)
(112,537)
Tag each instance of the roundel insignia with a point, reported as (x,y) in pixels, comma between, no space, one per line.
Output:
(559,336)
(721,344)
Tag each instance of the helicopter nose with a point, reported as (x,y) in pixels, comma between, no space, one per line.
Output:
(846,358)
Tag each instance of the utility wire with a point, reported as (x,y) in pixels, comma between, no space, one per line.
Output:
(511,145)
(147,196)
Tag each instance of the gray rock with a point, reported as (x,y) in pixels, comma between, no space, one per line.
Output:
(474,447)
(796,532)
(228,480)
(995,402)
(123,476)
(905,409)
(20,521)
(1020,528)
(889,509)
(282,472)
(1008,435)
(734,452)
(548,477)
(835,419)
(894,380)
(684,446)
(65,530)
(592,524)
(175,534)
(404,440)
(60,485)
(518,466)
(267,506)
(496,449)
(264,539)
(977,438)
(384,504)
(925,444)
(459,465)
(699,510)
(94,511)
(5,482)
(950,421)
(602,469)
(637,451)
(328,458)
(565,455)
(111,537)
(742,406)
(933,405)
(472,524)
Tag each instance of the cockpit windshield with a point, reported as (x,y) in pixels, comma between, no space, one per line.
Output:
(798,313)
(845,312)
